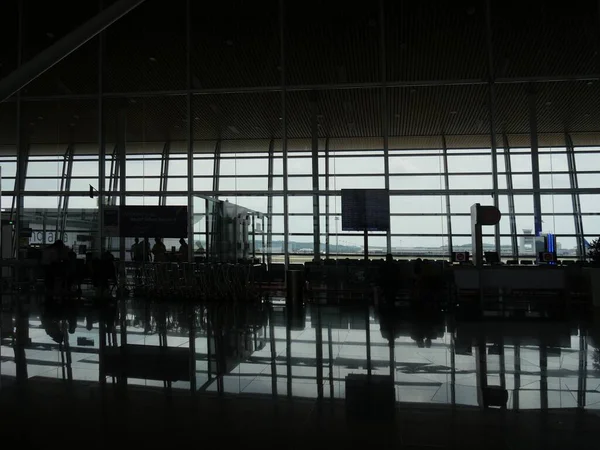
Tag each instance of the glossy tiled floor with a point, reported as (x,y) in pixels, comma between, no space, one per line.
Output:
(265,350)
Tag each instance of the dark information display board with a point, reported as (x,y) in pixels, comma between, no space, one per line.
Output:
(365,210)
(148,221)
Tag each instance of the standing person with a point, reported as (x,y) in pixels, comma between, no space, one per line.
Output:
(137,251)
(146,255)
(159,251)
(183,250)
(54,257)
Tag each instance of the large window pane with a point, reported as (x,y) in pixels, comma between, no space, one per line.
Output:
(356,182)
(588,180)
(43,184)
(434,182)
(474,182)
(418,224)
(46,169)
(555,181)
(469,163)
(553,162)
(419,245)
(142,184)
(587,161)
(244,166)
(589,203)
(299,166)
(520,163)
(416,164)
(560,203)
(140,168)
(203,166)
(417,204)
(558,224)
(462,203)
(243,184)
(86,168)
(356,165)
(178,166)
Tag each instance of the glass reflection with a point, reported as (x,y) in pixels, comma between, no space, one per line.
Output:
(266,348)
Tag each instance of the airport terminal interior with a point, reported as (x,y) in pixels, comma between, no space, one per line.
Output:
(289,222)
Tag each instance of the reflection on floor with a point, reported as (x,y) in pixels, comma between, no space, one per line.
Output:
(166,368)
(266,350)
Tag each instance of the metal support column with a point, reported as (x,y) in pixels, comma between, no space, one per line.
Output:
(535,162)
(43,61)
(447,195)
(368,338)
(511,198)
(582,372)
(192,337)
(452,364)
(288,350)
(543,377)
(271,161)
(315,177)
(481,369)
(319,353)
(330,354)
(384,111)
(492,115)
(517,373)
(22,147)
(122,162)
(101,141)
(61,191)
(327,198)
(575,195)
(217,166)
(164,173)
(502,357)
(65,189)
(113,182)
(286,229)
(273,347)
(190,138)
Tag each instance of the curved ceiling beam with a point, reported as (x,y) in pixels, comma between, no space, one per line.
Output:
(36,66)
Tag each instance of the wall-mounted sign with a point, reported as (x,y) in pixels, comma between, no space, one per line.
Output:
(365,210)
(146,221)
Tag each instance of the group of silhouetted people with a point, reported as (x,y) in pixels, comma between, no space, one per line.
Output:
(64,273)
(142,253)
